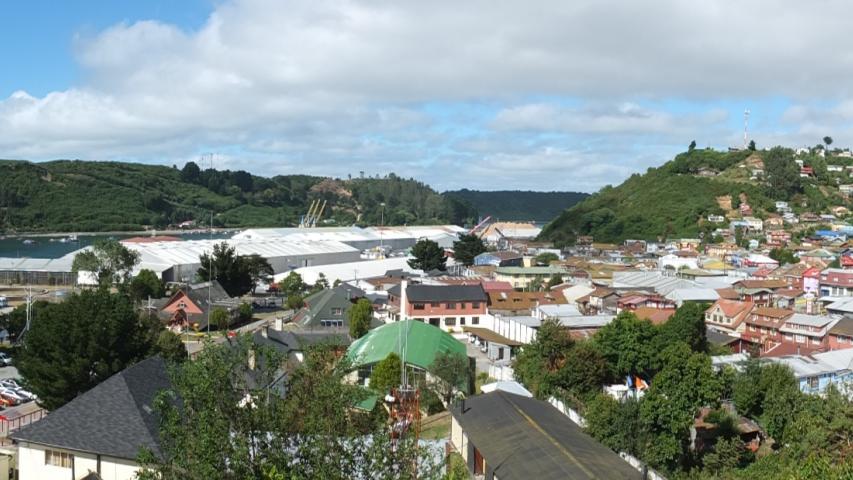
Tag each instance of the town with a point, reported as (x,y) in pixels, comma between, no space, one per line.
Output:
(447,334)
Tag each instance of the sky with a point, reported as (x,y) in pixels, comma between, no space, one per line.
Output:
(481,94)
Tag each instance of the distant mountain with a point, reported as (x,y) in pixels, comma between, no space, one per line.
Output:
(109,196)
(518,204)
(675,199)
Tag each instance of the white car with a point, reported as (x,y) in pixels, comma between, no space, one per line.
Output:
(5,359)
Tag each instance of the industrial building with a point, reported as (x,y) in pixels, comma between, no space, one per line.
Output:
(392,238)
(179,261)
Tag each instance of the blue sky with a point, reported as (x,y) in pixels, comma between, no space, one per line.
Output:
(490,95)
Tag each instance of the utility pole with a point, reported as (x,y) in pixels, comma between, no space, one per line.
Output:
(745,128)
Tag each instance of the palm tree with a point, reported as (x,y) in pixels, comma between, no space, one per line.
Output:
(828,141)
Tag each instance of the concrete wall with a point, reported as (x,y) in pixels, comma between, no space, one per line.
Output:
(31,465)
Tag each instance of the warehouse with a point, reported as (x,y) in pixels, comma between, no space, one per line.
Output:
(394,238)
(37,271)
(179,261)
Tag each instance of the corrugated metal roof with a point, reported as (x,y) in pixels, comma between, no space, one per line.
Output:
(424,343)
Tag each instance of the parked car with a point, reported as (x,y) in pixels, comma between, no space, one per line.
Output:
(5,359)
(10,395)
(10,383)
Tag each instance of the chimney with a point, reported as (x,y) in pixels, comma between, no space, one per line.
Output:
(277,324)
(404,285)
(264,332)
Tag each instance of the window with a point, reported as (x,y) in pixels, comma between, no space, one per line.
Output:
(435,304)
(58,459)
(450,305)
(462,305)
(331,323)
(450,321)
(800,338)
(337,311)
(813,382)
(842,339)
(475,305)
(475,320)
(815,341)
(419,306)
(461,320)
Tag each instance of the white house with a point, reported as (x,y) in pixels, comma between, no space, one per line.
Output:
(99,432)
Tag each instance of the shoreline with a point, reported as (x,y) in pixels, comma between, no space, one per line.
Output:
(121,232)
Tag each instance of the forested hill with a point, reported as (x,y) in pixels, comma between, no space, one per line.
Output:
(517,204)
(674,200)
(109,196)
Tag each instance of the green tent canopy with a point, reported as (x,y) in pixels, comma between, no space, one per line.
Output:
(425,342)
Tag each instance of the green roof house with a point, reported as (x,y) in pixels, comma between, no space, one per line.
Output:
(425,342)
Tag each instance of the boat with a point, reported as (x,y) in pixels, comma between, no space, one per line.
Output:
(28,241)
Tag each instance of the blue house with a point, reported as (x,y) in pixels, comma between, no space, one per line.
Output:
(817,371)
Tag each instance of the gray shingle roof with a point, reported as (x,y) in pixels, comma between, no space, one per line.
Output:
(114,418)
(442,293)
(516,436)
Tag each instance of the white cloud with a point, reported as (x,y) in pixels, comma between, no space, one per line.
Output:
(325,87)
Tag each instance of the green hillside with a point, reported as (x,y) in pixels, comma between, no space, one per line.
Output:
(110,196)
(673,200)
(518,204)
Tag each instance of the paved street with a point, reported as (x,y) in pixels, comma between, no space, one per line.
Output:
(480,358)
(8,372)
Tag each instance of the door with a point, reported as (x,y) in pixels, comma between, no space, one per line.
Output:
(479,463)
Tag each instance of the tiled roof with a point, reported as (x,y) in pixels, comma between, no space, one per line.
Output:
(654,315)
(843,327)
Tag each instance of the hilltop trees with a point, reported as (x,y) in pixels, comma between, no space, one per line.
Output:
(782,173)
(428,256)
(109,260)
(467,247)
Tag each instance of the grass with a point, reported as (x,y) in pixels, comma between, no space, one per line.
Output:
(436,427)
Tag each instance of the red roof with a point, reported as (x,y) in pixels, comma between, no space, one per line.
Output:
(788,348)
(655,315)
(497,286)
(812,273)
(732,308)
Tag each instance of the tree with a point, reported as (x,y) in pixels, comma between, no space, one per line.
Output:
(109,260)
(467,247)
(295,302)
(452,372)
(321,284)
(538,363)
(827,141)
(359,316)
(687,325)
(146,285)
(427,256)
(386,373)
(585,370)
(546,258)
(258,268)
(555,280)
(227,268)
(782,173)
(170,346)
(292,284)
(227,427)
(219,317)
(751,146)
(74,345)
(783,256)
(616,425)
(244,312)
(15,321)
(190,173)
(630,345)
(692,146)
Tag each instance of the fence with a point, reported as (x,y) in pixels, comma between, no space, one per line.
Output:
(12,421)
(648,473)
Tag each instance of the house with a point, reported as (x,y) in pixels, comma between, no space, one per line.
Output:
(504,258)
(778,238)
(846,189)
(816,372)
(328,308)
(524,277)
(100,433)
(728,315)
(791,273)
(716,218)
(762,327)
(599,300)
(425,343)
(449,307)
(754,224)
(811,280)
(782,207)
(806,172)
(191,305)
(291,344)
(836,282)
(513,437)
(840,335)
(634,301)
(759,292)
(657,316)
